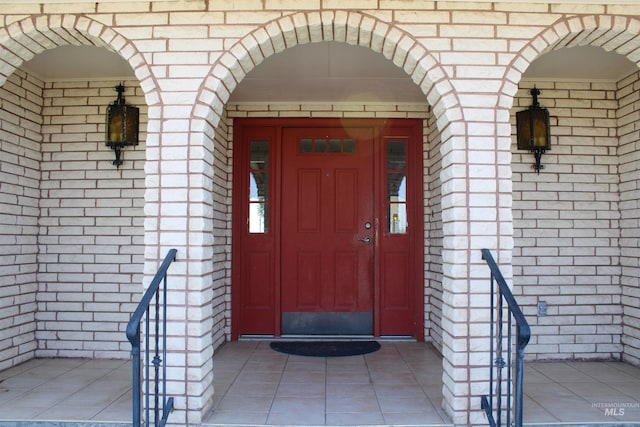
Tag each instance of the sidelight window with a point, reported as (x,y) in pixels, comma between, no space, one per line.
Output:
(396,173)
(258,186)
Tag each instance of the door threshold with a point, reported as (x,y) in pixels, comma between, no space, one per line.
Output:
(302,337)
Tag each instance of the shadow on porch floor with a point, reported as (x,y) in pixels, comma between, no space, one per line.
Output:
(400,384)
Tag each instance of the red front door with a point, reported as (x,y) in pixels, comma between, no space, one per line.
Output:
(327,227)
(327,231)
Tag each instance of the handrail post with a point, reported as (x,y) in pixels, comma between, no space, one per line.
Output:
(134,337)
(519,386)
(136,381)
(523,333)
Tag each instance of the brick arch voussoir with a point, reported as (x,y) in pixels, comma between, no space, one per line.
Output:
(22,40)
(620,34)
(612,33)
(350,27)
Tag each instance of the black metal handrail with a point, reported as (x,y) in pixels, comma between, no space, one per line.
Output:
(159,298)
(514,391)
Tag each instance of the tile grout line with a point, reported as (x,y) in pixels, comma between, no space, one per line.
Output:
(375,391)
(326,391)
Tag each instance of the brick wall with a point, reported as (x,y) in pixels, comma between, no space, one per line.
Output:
(629,164)
(222,179)
(20,123)
(467,59)
(433,233)
(567,225)
(72,224)
(91,224)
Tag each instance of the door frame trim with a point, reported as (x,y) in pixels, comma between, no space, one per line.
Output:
(239,182)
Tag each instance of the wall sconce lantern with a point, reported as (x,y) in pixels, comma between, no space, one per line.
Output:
(122,125)
(532,127)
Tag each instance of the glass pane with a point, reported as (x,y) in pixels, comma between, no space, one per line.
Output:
(320,146)
(349,146)
(258,218)
(396,155)
(335,146)
(306,145)
(397,218)
(397,187)
(259,155)
(258,186)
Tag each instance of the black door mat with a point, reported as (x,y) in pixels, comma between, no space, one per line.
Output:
(325,348)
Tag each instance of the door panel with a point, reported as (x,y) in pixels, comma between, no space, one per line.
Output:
(345,209)
(396,297)
(309,269)
(255,295)
(308,201)
(327,197)
(345,280)
(401,243)
(255,262)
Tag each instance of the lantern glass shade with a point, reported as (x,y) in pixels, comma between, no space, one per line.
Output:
(122,125)
(533,129)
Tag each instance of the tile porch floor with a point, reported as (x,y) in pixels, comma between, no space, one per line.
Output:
(398,385)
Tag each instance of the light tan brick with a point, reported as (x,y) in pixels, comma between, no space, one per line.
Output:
(292,5)
(254,5)
(351,4)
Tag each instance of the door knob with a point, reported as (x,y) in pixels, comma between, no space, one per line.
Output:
(366,240)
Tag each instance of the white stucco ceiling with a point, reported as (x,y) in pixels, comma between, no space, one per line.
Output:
(327,72)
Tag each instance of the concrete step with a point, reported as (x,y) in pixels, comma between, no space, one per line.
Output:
(596,424)
(34,423)
(6,423)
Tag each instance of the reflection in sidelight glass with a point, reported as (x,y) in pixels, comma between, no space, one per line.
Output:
(258,186)
(397,218)
(396,155)
(397,187)
(258,218)
(259,155)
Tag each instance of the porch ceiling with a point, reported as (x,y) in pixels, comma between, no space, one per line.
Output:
(327,72)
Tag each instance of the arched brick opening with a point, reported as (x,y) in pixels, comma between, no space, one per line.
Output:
(348,27)
(26,38)
(62,261)
(588,279)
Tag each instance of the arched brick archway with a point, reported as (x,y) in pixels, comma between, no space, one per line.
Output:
(348,27)
(352,28)
(618,333)
(612,33)
(24,39)
(36,159)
